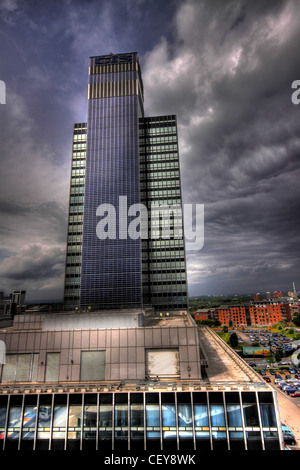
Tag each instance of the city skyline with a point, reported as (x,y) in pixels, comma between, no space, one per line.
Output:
(225,71)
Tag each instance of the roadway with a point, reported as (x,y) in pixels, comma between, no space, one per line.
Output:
(289,409)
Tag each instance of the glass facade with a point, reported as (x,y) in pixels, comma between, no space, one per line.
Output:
(167,421)
(75,220)
(164,260)
(111,266)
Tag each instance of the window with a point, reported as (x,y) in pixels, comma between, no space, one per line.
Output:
(250,409)
(20,368)
(234,415)
(92,365)
(162,362)
(52,367)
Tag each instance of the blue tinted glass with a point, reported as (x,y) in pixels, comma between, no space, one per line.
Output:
(201,415)
(168,415)
(111,268)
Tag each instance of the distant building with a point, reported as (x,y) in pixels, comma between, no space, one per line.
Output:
(257,296)
(268,313)
(203,314)
(18,297)
(294,308)
(256,313)
(277,294)
(235,315)
(12,304)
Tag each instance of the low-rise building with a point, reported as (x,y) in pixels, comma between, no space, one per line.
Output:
(130,382)
(257,313)
(234,315)
(203,314)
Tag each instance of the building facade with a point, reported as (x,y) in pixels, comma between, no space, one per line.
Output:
(268,313)
(75,219)
(258,313)
(203,314)
(235,315)
(163,250)
(123,167)
(95,382)
(111,267)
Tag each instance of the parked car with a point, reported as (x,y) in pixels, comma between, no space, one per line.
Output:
(272,371)
(278,380)
(292,380)
(292,371)
(296,393)
(281,384)
(278,376)
(267,379)
(288,436)
(262,372)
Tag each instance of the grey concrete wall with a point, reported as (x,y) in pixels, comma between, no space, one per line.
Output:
(124,349)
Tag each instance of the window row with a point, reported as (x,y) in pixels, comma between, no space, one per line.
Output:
(79,137)
(159,139)
(159,175)
(78,163)
(160,184)
(145,421)
(78,172)
(80,146)
(158,130)
(160,165)
(77,181)
(81,154)
(24,367)
(145,158)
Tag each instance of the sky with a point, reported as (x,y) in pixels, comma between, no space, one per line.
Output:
(225,68)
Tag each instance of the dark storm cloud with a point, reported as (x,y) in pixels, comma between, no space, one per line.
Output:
(239,138)
(34,263)
(225,69)
(44,51)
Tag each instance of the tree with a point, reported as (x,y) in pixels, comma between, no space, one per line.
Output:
(233,339)
(277,356)
(225,329)
(270,357)
(296,319)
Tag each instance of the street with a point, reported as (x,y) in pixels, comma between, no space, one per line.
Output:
(289,409)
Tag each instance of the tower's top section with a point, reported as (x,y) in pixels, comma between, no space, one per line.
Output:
(114,59)
(115,68)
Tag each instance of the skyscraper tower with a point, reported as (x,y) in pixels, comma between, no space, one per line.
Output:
(121,159)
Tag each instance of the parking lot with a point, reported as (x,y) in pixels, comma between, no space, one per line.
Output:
(276,341)
(283,377)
